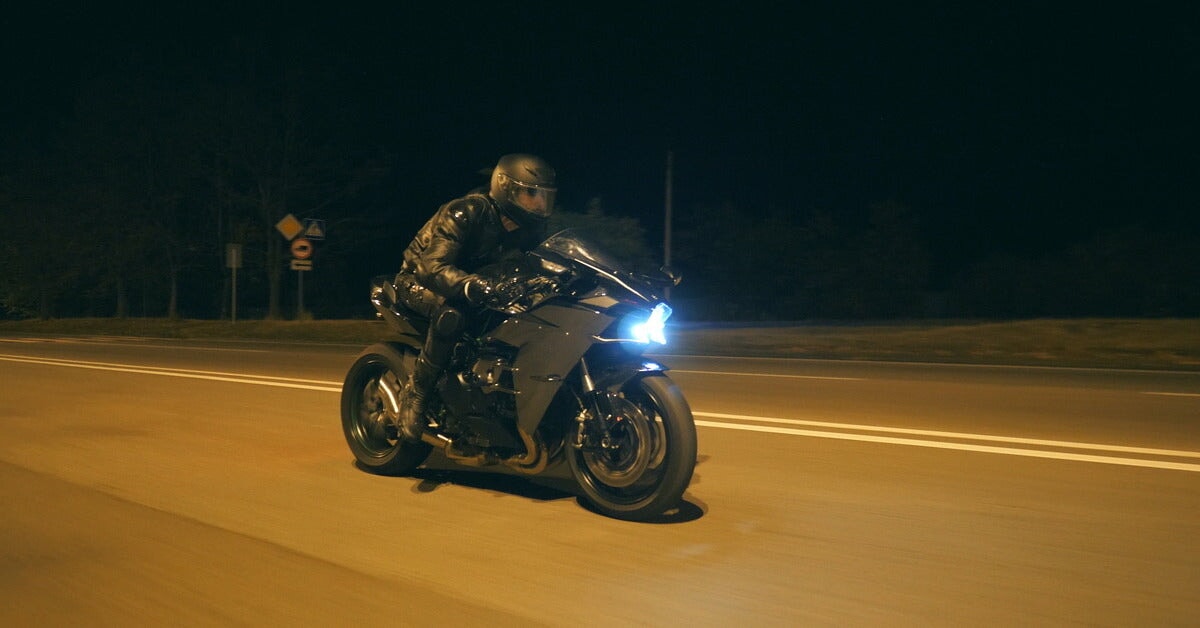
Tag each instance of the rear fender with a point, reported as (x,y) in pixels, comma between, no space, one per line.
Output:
(408,357)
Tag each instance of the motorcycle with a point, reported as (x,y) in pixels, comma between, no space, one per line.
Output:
(555,373)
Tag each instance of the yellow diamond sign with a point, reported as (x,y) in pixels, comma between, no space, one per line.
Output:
(289,226)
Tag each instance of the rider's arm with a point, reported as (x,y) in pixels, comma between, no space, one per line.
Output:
(437,266)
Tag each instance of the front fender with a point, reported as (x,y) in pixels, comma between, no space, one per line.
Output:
(616,376)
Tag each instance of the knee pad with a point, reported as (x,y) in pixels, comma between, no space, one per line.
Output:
(444,329)
(448,323)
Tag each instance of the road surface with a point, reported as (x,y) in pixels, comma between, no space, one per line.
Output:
(152,482)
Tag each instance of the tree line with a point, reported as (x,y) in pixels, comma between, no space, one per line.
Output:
(788,264)
(123,206)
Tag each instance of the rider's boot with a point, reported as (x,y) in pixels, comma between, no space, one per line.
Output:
(412,406)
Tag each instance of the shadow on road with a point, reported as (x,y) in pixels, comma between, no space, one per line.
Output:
(539,488)
(685,513)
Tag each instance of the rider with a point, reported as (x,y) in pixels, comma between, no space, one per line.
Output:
(437,277)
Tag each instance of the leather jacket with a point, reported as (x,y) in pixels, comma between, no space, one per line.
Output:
(464,235)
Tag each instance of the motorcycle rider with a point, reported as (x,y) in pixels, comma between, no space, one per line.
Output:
(437,278)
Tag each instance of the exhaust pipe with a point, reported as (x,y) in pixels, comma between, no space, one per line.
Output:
(532,462)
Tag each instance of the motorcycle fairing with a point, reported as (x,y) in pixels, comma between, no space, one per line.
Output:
(546,353)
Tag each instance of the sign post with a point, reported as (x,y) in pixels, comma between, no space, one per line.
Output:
(302,250)
(301,235)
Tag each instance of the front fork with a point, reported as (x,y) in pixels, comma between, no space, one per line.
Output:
(594,423)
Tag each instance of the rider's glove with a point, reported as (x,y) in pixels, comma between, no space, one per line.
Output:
(478,291)
(481,291)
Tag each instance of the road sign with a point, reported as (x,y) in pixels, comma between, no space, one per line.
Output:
(289,226)
(301,264)
(314,229)
(302,248)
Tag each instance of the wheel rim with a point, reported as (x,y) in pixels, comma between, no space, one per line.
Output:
(630,470)
(373,428)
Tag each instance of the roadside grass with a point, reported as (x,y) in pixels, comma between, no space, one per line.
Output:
(330,331)
(1110,343)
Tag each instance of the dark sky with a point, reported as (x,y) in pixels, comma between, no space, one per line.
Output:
(1015,126)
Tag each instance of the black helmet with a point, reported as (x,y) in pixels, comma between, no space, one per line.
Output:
(524,186)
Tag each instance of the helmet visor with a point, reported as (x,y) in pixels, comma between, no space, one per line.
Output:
(535,199)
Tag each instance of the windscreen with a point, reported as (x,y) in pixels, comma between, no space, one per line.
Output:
(571,245)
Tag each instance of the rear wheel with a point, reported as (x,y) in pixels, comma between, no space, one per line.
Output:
(648,461)
(369,395)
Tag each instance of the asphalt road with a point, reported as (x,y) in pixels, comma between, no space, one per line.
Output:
(150,483)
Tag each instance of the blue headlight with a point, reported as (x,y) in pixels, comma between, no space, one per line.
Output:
(651,329)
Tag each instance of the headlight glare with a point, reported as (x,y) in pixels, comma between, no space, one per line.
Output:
(652,329)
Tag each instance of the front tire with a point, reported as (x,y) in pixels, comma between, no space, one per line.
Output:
(366,421)
(650,467)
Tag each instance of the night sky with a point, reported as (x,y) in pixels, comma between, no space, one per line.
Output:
(1013,127)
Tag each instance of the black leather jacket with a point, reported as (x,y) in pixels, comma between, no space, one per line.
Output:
(464,235)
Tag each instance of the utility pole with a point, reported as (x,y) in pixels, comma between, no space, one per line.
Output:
(233,260)
(667,216)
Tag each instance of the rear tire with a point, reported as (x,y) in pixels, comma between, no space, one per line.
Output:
(647,473)
(365,421)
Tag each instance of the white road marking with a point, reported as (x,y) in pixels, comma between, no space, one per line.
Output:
(140,343)
(223,349)
(847,379)
(327,386)
(217,376)
(959,435)
(1171,394)
(1009,451)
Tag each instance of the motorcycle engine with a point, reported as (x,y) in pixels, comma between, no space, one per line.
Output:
(480,403)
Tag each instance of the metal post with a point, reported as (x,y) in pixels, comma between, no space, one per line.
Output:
(233,319)
(233,261)
(667,216)
(300,295)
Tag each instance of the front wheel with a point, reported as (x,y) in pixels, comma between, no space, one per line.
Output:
(372,385)
(650,454)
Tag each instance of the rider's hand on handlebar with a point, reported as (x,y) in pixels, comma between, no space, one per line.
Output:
(478,291)
(481,291)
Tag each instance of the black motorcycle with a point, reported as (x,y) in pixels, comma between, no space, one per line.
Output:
(555,373)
